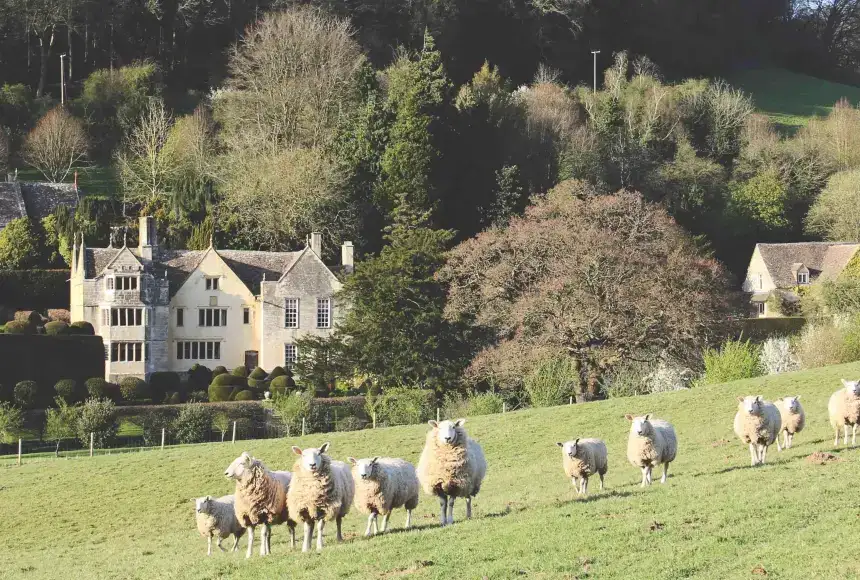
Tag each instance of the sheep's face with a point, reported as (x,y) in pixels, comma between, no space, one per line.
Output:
(364,468)
(203,504)
(447,432)
(853,387)
(240,466)
(311,457)
(569,448)
(751,405)
(792,404)
(640,426)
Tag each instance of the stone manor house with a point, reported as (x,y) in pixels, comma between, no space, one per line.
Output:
(165,310)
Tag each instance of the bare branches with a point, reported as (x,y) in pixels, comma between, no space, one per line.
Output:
(56,144)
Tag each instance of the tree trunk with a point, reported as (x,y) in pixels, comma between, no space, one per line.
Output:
(57,452)
(46,42)
(71,51)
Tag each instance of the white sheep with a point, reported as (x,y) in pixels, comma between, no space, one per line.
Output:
(651,442)
(383,484)
(260,498)
(757,422)
(844,410)
(582,458)
(452,465)
(793,420)
(216,517)
(322,489)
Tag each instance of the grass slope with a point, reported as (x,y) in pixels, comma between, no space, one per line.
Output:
(790,99)
(130,516)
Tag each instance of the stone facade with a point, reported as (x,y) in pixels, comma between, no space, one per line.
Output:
(165,310)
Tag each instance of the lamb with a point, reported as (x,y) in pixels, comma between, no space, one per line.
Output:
(383,484)
(322,490)
(651,442)
(757,423)
(582,458)
(844,410)
(217,517)
(452,465)
(261,498)
(793,420)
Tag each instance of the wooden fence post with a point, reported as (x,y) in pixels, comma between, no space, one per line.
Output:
(437,415)
(234,432)
(303,426)
(504,407)
(163,430)
(571,401)
(19,452)
(92,436)
(374,419)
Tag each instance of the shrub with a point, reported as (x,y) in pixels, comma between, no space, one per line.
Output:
(290,408)
(152,422)
(245,395)
(19,327)
(197,397)
(276,372)
(56,327)
(132,389)
(26,393)
(258,374)
(59,314)
(97,387)
(351,423)
(162,383)
(222,423)
(824,344)
(82,327)
(199,377)
(60,423)
(551,382)
(219,370)
(240,372)
(625,380)
(219,393)
(97,416)
(67,390)
(666,377)
(228,380)
(776,356)
(20,245)
(474,405)
(11,422)
(193,424)
(403,406)
(734,361)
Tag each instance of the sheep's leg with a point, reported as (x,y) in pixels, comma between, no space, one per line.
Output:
(309,532)
(235,547)
(218,543)
(778,446)
(601,481)
(584,486)
(250,541)
(320,530)
(469,507)
(665,473)
(376,524)
(644,476)
(845,434)
(753,455)
(451,499)
(385,522)
(338,522)
(763,453)
(209,545)
(836,441)
(790,439)
(292,537)
(575,483)
(650,474)
(408,519)
(854,434)
(443,505)
(370,519)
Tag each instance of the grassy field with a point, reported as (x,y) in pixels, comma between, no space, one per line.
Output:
(790,99)
(131,516)
(98,180)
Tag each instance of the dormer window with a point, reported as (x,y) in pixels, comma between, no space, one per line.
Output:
(803,277)
(211,283)
(121,282)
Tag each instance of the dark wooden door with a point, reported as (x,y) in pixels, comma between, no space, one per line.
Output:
(251,357)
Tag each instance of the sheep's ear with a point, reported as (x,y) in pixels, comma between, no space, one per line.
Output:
(845,383)
(797,397)
(459,422)
(374,460)
(352,460)
(758,398)
(628,416)
(246,455)
(576,442)
(740,399)
(324,447)
(434,424)
(297,450)
(559,443)
(648,416)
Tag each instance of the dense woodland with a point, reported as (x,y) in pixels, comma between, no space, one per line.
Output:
(459,145)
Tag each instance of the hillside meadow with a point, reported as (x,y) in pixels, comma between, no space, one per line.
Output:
(131,515)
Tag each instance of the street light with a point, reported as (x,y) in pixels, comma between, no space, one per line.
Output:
(595,53)
(62,79)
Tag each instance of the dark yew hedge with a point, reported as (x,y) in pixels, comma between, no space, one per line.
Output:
(34,289)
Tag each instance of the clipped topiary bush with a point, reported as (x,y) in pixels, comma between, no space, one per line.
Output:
(258,373)
(193,424)
(96,387)
(132,389)
(279,385)
(82,327)
(67,390)
(227,380)
(56,328)
(163,383)
(219,370)
(26,393)
(257,380)
(19,327)
(240,372)
(245,395)
(34,318)
(199,377)
(276,372)
(219,393)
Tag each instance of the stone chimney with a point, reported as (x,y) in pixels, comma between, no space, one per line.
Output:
(147,238)
(316,243)
(346,257)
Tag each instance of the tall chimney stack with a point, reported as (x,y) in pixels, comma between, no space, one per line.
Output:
(316,243)
(346,257)
(147,237)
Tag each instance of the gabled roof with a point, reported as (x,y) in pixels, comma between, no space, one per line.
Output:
(11,203)
(825,260)
(37,200)
(97,259)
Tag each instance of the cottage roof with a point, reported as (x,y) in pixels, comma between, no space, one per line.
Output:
(37,200)
(825,260)
(11,203)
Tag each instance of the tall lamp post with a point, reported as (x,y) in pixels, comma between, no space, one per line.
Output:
(62,79)
(595,53)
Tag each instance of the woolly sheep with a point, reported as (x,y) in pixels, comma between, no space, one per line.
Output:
(383,484)
(261,498)
(452,465)
(651,442)
(216,517)
(757,422)
(322,489)
(582,458)
(793,419)
(844,410)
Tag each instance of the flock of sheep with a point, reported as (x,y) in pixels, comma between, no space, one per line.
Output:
(452,465)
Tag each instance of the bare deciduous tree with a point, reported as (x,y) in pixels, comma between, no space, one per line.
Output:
(56,145)
(835,214)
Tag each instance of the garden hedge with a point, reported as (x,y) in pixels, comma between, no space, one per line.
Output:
(82,327)
(162,383)
(35,289)
(245,395)
(56,328)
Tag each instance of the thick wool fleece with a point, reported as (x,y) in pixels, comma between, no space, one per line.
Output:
(261,496)
(392,484)
(762,429)
(455,470)
(792,422)
(326,493)
(843,408)
(658,445)
(591,457)
(219,520)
